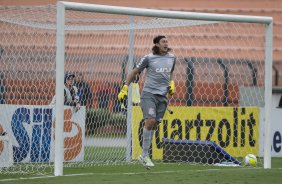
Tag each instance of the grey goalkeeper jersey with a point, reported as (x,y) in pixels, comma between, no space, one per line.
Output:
(159,70)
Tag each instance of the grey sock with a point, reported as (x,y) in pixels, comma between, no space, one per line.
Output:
(147,141)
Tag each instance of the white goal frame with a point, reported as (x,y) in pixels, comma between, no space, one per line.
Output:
(60,60)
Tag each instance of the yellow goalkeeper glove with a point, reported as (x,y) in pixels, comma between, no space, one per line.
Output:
(171,88)
(123,93)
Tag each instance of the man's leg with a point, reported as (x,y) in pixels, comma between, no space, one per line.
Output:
(147,141)
(148,132)
(148,105)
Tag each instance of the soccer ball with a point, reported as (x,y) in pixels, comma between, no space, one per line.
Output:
(250,160)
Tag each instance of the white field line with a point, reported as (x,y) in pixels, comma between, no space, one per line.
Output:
(130,173)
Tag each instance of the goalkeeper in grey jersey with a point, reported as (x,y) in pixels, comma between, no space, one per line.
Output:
(160,65)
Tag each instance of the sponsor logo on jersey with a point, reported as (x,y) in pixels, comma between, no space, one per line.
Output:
(163,70)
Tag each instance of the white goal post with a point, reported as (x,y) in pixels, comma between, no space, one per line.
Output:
(219,113)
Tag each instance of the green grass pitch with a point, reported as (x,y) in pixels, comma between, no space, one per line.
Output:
(162,173)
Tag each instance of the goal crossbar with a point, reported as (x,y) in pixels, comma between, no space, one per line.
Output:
(163,13)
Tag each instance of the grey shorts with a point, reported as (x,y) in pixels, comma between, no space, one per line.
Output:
(153,106)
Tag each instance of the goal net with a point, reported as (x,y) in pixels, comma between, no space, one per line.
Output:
(217,108)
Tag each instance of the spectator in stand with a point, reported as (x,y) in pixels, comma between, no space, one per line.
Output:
(71,97)
(84,91)
(104,95)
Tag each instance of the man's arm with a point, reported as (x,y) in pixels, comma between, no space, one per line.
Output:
(171,76)
(123,93)
(172,69)
(171,88)
(131,76)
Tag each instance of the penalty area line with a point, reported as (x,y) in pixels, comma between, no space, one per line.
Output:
(129,173)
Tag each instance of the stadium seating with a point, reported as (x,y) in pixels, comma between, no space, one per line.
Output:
(22,91)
